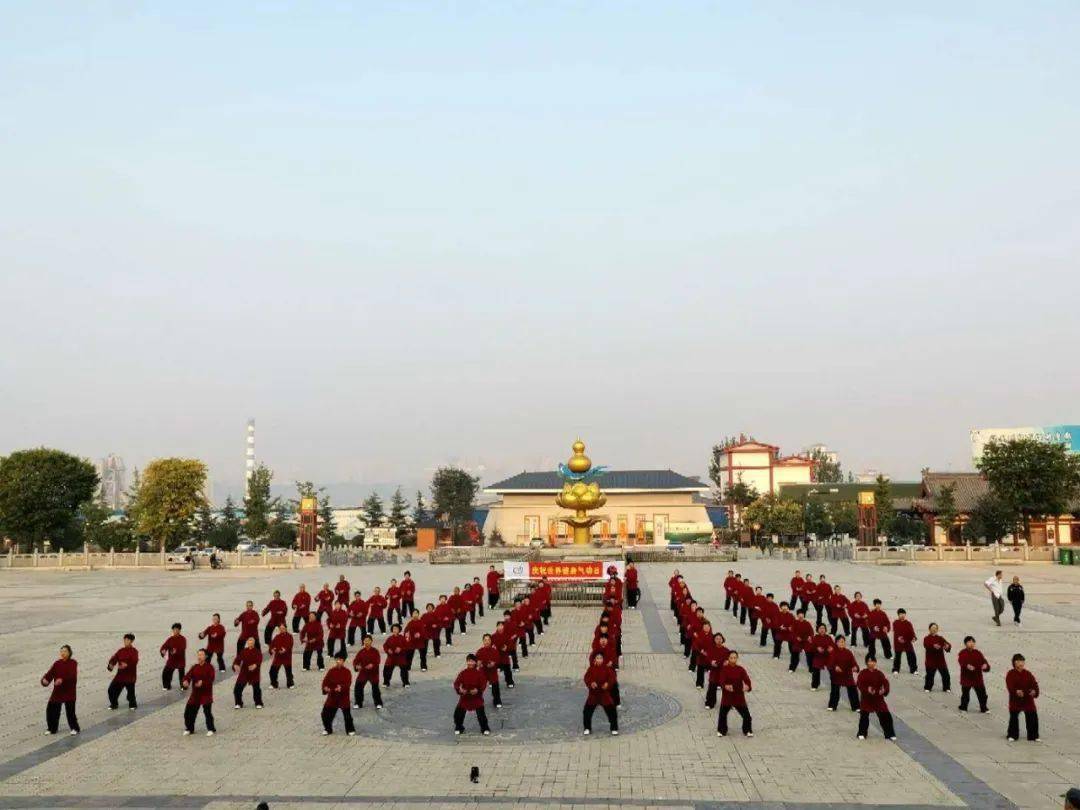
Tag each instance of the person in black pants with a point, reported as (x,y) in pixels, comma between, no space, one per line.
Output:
(1015,595)
(63,675)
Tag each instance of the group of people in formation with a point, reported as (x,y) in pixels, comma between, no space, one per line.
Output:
(824,648)
(519,629)
(601,671)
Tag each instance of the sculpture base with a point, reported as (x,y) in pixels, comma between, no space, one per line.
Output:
(582,536)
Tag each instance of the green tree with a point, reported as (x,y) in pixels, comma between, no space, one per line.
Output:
(844,516)
(990,520)
(453,491)
(773,515)
(258,504)
(824,469)
(227,533)
(327,524)
(93,518)
(883,502)
(737,497)
(818,520)
(283,531)
(419,512)
(41,491)
(373,510)
(718,471)
(205,524)
(170,494)
(1032,478)
(945,506)
(908,529)
(399,517)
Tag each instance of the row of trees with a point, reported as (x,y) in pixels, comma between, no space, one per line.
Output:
(51,496)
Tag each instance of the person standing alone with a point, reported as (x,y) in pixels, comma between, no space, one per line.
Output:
(996,586)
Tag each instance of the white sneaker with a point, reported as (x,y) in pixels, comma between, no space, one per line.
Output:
(831,709)
(187,733)
(209,734)
(49,733)
(749,734)
(325,733)
(615,733)
(487,733)
(893,739)
(352,733)
(862,736)
(720,734)
(237,706)
(356,705)
(586,732)
(457,733)
(498,705)
(258,705)
(73,732)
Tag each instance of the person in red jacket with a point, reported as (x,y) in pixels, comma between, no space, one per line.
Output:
(842,672)
(613,589)
(505,645)
(873,689)
(1023,690)
(432,627)
(746,595)
(493,578)
(701,653)
(248,669)
(796,590)
(416,640)
(215,640)
(201,680)
(487,659)
(277,610)
(734,684)
(838,611)
(821,597)
(357,617)
(366,664)
(337,624)
(301,605)
(785,620)
(393,602)
(325,598)
(718,656)
(470,685)
(757,601)
(311,636)
(248,622)
(879,624)
(456,603)
(904,642)
(729,582)
(600,678)
(126,662)
(335,686)
(809,589)
(64,677)
(396,649)
(174,651)
(375,608)
(281,650)
(408,594)
(633,592)
(860,613)
(821,647)
(801,634)
(476,600)
(342,589)
(445,616)
(769,612)
(972,666)
(936,647)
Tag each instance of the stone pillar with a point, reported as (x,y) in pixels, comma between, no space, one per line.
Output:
(112,556)
(137,555)
(60,562)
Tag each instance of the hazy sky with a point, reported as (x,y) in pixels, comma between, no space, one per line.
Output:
(404,234)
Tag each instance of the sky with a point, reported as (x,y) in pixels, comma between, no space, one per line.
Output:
(402,235)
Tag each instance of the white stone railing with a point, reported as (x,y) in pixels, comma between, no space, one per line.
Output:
(994,553)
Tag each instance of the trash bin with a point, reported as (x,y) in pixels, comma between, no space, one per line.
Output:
(1065,556)
(1075,556)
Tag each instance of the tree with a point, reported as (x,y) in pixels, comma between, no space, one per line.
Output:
(258,503)
(945,508)
(419,512)
(817,519)
(205,524)
(170,494)
(908,529)
(399,518)
(41,491)
(737,497)
(824,469)
(883,502)
(93,518)
(1032,478)
(773,515)
(283,531)
(227,533)
(453,491)
(373,510)
(327,525)
(990,520)
(844,517)
(718,471)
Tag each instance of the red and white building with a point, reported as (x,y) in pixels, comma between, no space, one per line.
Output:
(761,466)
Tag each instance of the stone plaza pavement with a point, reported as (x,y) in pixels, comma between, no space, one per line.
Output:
(668,755)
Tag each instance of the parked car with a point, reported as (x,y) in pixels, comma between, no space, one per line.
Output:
(244,546)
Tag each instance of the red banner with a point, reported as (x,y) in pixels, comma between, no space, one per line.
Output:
(556,570)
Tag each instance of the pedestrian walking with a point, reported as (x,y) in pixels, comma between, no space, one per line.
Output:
(1015,595)
(996,586)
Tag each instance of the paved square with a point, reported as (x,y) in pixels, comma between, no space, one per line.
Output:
(668,756)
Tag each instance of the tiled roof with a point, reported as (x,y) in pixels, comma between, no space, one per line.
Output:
(610,480)
(969,487)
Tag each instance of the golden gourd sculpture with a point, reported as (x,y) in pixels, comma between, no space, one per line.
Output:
(580,493)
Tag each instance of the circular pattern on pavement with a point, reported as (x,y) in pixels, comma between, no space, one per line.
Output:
(537,710)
